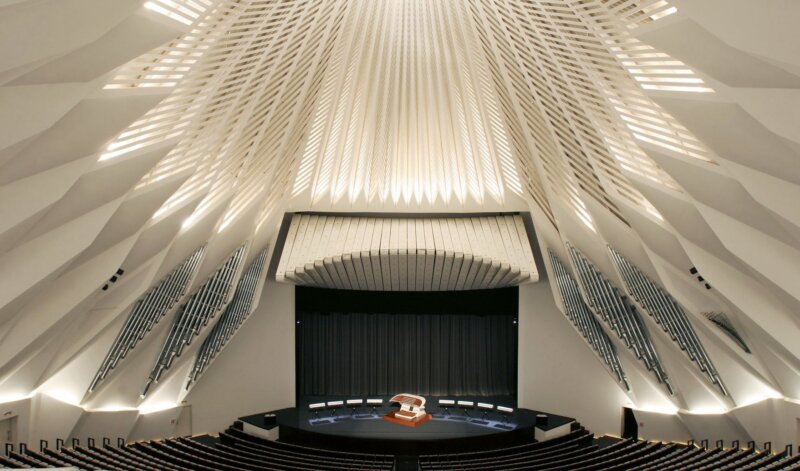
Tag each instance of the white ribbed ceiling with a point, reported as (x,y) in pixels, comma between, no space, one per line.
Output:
(650,134)
(407,112)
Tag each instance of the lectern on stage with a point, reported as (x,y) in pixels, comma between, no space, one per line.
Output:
(411,413)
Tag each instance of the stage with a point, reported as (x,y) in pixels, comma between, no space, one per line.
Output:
(447,431)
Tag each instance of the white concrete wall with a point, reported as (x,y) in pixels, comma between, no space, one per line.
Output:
(658,426)
(51,419)
(111,424)
(256,370)
(21,409)
(558,371)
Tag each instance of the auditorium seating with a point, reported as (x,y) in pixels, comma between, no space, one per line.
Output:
(236,450)
(233,451)
(579,451)
(235,439)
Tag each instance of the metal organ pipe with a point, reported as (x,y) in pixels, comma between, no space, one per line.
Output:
(589,327)
(668,314)
(201,307)
(621,316)
(234,316)
(147,312)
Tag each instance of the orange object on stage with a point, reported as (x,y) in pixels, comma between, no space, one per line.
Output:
(392,417)
(412,411)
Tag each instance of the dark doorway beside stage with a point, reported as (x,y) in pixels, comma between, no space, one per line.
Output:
(443,344)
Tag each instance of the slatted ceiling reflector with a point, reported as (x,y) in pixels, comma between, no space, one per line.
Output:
(269,71)
(426,155)
(637,12)
(183,11)
(406,254)
(575,69)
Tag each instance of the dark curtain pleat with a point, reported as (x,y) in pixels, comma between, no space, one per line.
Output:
(351,353)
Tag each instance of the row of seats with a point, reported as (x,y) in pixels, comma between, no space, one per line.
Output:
(235,439)
(233,451)
(236,450)
(579,451)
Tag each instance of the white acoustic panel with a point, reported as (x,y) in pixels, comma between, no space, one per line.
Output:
(407,253)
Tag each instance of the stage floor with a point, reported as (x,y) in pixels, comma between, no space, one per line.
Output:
(364,424)
(445,425)
(374,427)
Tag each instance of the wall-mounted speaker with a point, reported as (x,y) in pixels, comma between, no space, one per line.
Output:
(113,279)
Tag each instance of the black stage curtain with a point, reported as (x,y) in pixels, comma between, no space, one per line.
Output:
(383,343)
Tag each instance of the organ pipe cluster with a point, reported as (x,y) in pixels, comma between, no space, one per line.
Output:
(621,316)
(235,315)
(668,314)
(721,320)
(147,312)
(195,314)
(583,319)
